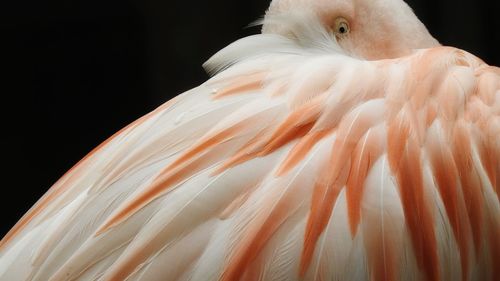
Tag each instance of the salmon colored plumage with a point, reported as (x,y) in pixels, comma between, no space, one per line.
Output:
(343,143)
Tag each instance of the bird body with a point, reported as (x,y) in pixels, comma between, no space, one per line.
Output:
(300,159)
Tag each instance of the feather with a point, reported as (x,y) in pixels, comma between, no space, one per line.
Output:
(297,160)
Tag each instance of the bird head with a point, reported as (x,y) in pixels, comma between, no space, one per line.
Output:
(368,29)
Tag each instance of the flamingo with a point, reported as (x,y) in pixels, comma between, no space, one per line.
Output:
(342,143)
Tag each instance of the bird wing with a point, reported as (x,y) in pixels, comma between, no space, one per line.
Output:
(289,164)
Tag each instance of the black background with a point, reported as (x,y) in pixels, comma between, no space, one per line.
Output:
(77,71)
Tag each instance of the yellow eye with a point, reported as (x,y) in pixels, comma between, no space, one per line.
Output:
(341,27)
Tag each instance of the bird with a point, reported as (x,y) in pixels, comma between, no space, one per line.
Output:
(344,142)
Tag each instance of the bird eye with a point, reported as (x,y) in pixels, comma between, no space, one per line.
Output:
(341,27)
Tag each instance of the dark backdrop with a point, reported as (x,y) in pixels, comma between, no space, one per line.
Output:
(77,71)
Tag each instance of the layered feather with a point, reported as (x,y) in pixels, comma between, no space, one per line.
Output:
(294,162)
